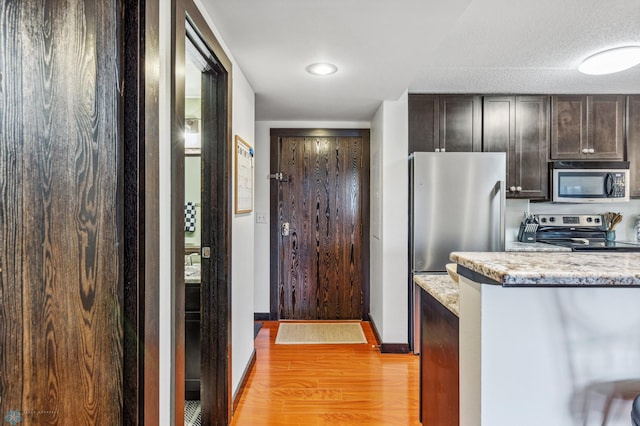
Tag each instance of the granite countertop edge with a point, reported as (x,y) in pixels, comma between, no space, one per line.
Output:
(556,269)
(442,288)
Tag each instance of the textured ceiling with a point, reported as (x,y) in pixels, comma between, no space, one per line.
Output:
(383,47)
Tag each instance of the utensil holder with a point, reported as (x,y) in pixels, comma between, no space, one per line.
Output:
(610,235)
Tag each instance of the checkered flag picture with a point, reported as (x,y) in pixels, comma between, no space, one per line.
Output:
(190,217)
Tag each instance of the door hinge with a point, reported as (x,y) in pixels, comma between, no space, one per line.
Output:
(279,176)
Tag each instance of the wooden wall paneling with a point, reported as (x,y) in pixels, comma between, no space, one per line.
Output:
(61,213)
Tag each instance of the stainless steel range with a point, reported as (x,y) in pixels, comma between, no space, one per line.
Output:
(578,232)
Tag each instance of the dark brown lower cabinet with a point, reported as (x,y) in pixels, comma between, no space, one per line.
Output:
(439,368)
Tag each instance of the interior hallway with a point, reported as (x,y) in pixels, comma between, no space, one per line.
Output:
(346,384)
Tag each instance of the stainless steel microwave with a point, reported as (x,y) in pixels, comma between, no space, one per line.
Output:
(589,181)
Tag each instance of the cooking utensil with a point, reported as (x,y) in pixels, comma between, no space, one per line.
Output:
(611,219)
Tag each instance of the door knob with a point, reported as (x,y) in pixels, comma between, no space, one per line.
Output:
(285,229)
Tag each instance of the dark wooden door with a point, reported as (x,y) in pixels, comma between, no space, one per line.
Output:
(587,127)
(460,123)
(61,221)
(445,123)
(633,143)
(531,147)
(424,123)
(605,127)
(323,202)
(518,125)
(568,127)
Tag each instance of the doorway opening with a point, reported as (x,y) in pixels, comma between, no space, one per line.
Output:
(201,210)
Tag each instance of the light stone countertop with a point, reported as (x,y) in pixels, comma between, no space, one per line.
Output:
(442,288)
(518,246)
(553,268)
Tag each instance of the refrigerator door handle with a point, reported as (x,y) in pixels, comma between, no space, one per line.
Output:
(503,208)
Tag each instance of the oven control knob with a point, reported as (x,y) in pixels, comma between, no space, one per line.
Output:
(543,220)
(589,220)
(552,219)
(597,220)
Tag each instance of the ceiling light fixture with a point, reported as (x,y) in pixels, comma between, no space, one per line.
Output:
(322,69)
(611,61)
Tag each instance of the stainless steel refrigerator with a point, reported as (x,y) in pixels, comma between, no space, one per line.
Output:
(457,203)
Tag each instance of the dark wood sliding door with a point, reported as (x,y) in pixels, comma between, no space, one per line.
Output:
(320,224)
(61,221)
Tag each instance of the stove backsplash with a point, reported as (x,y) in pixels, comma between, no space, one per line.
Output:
(624,230)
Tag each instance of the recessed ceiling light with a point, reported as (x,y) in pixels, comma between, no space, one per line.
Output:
(322,69)
(610,61)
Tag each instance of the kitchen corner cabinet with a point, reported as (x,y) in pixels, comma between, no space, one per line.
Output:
(518,125)
(587,127)
(445,123)
(633,143)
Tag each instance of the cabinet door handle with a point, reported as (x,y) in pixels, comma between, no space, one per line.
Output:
(443,150)
(437,149)
(591,150)
(585,151)
(518,188)
(512,189)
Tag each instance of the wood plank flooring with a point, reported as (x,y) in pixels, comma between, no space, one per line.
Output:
(311,385)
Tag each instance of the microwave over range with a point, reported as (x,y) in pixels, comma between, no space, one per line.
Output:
(589,181)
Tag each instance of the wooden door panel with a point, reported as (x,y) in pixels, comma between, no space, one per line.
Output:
(606,126)
(633,143)
(532,146)
(568,127)
(424,125)
(321,270)
(61,216)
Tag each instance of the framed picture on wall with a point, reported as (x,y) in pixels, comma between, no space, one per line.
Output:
(243,176)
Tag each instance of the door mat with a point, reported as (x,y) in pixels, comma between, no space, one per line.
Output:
(320,333)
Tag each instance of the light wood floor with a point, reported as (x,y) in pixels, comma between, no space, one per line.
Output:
(328,385)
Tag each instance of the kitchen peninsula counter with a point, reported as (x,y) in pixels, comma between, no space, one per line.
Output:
(440,287)
(538,331)
(550,268)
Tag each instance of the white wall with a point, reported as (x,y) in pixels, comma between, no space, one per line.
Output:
(389,207)
(262,250)
(243,107)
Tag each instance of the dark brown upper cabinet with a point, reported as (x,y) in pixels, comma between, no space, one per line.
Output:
(518,125)
(633,143)
(587,127)
(451,123)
